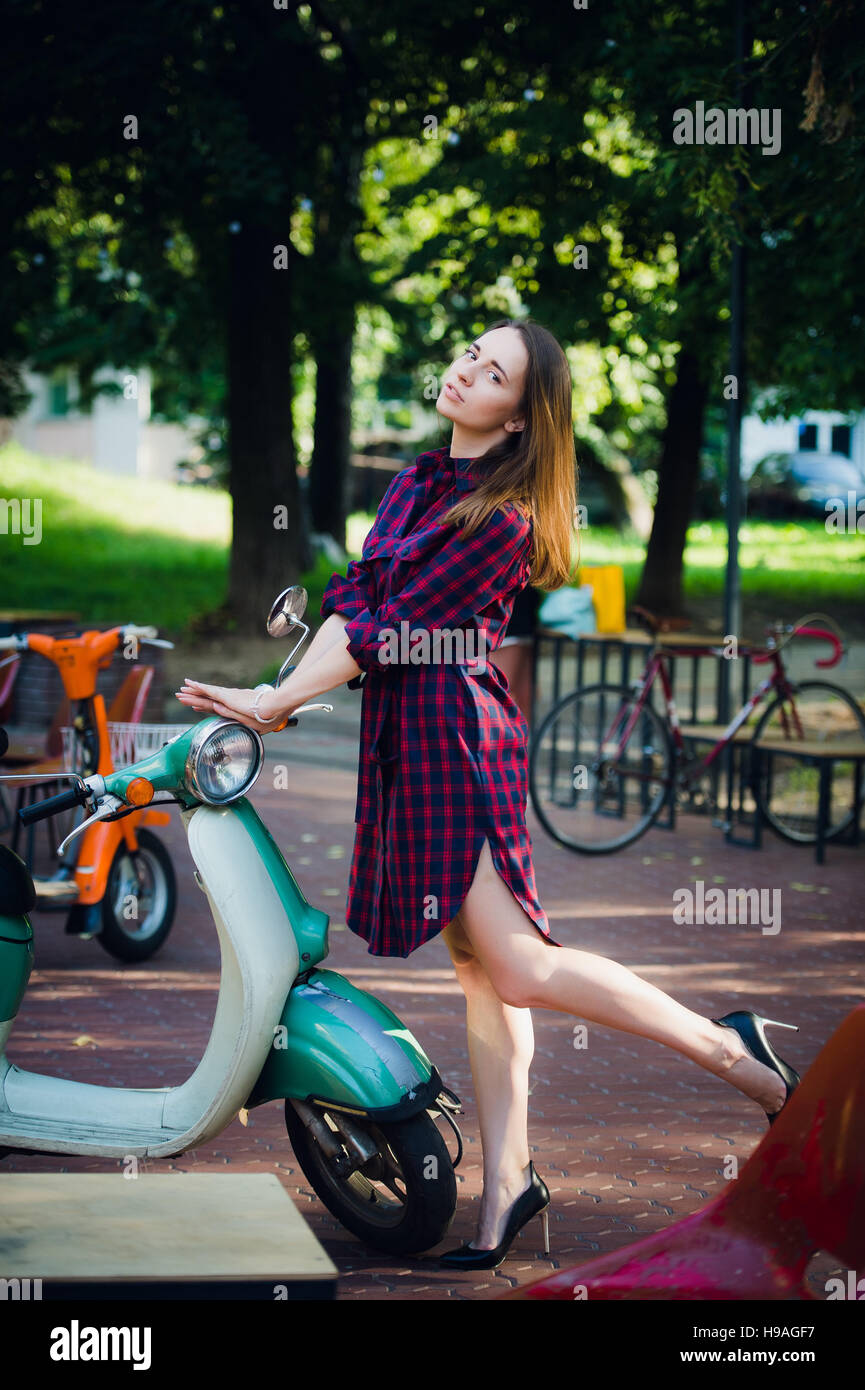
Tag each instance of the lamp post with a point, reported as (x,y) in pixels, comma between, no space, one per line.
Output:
(732,587)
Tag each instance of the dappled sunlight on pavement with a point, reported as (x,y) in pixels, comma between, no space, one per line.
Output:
(628,1135)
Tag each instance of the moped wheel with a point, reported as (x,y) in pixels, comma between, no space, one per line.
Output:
(402,1199)
(136,935)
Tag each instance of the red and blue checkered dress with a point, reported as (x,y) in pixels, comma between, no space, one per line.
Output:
(443,760)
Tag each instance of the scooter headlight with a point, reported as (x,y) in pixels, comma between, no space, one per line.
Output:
(223,762)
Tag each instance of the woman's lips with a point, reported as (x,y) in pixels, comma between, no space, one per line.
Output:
(454,394)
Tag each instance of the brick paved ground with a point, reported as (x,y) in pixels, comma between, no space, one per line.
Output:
(628,1135)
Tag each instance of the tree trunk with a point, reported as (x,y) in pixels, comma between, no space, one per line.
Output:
(269,546)
(331,458)
(660,588)
(331,334)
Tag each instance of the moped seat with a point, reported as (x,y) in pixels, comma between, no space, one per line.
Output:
(17,893)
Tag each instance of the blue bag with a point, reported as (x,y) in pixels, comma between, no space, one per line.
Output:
(569,610)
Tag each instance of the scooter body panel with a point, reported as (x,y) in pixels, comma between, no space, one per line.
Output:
(260,962)
(16,962)
(308,923)
(339,1045)
(259,965)
(319,1039)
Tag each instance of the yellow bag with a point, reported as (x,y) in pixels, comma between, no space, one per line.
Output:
(608,595)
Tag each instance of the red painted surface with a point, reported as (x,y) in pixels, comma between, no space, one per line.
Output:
(802,1190)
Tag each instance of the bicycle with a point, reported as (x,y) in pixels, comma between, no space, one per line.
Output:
(118,884)
(604,762)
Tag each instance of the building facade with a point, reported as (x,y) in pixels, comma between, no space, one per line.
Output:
(117,435)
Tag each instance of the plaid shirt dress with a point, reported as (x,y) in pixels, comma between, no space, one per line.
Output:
(443,759)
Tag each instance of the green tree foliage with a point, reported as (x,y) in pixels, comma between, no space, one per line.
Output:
(224,190)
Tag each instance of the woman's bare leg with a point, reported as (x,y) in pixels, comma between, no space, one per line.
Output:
(524,971)
(527,971)
(501,1046)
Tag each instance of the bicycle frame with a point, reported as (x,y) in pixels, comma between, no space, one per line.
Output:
(609,751)
(657,666)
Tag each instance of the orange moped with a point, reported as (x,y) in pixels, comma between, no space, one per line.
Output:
(119,883)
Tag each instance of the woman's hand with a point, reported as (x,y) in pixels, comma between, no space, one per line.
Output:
(233,703)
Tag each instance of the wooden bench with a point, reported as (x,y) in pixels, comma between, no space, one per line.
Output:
(711,733)
(824,752)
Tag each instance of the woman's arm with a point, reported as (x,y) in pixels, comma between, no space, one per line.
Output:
(323,669)
(331,667)
(451,585)
(326,655)
(459,579)
(330,632)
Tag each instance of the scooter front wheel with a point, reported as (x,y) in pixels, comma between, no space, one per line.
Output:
(401,1199)
(138,907)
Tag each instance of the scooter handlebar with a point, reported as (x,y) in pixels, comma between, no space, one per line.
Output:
(51,805)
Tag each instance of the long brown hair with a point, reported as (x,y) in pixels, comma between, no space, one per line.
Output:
(536,468)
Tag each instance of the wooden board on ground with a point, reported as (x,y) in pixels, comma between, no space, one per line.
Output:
(158,1236)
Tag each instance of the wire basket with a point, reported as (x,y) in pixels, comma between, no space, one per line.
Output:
(129,742)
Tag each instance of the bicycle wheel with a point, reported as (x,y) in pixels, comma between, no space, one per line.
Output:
(599,769)
(788,789)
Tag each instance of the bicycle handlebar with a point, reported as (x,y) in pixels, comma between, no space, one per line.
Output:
(102,643)
(805,631)
(837,644)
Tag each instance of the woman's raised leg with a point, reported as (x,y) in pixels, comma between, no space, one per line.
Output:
(527,971)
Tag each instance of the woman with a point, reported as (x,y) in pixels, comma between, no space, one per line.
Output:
(441,841)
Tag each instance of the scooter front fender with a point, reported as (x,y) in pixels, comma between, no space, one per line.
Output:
(340,1047)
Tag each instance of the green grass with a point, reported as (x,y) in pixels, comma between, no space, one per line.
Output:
(113,549)
(119,549)
(784,560)
(796,561)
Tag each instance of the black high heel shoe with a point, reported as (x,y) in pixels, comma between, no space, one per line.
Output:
(533,1202)
(750,1027)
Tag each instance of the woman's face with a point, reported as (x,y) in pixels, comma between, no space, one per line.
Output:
(483,388)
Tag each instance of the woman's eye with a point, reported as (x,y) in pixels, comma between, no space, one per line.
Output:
(489,369)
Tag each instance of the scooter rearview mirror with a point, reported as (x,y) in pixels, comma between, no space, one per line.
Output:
(287,610)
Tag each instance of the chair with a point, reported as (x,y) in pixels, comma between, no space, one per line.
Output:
(9,668)
(128,704)
(802,1190)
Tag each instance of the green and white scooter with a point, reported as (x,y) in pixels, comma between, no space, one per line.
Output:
(362,1099)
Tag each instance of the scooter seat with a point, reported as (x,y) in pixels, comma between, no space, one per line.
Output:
(17,893)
